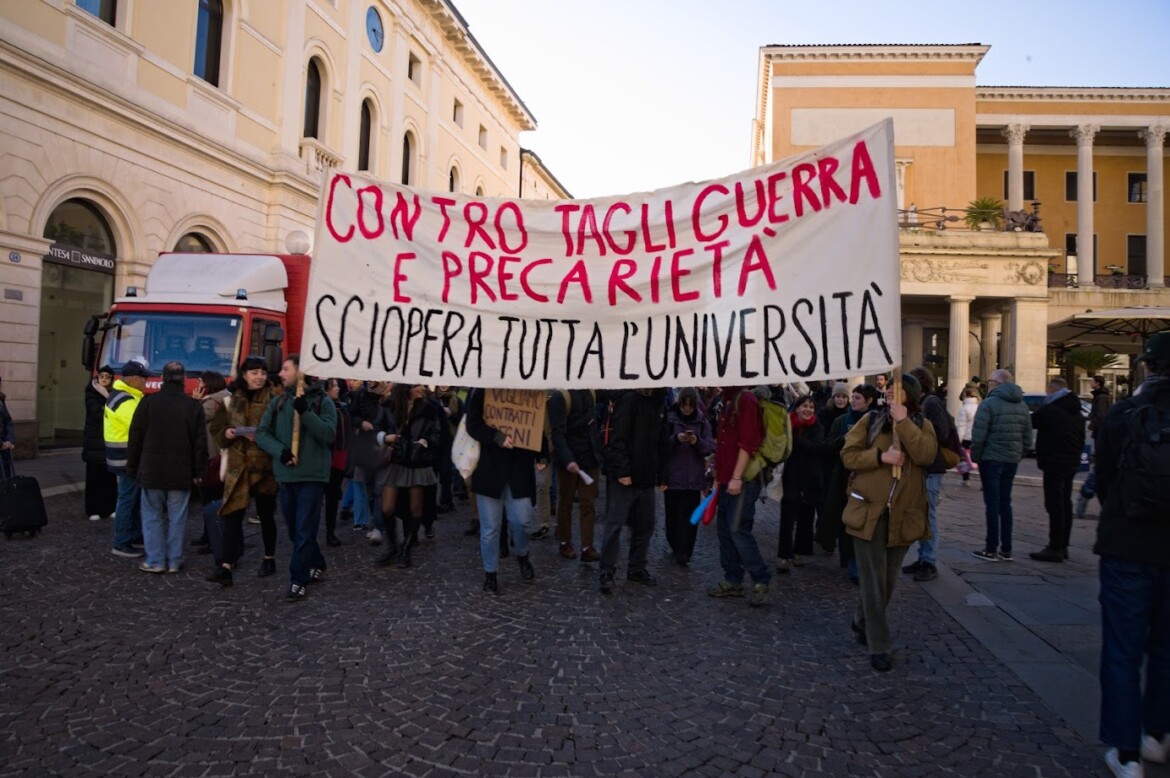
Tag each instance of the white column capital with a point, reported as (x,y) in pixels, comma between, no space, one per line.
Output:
(1015,133)
(960,298)
(991,316)
(1154,135)
(1084,133)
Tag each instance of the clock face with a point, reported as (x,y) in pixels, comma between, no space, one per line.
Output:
(374,29)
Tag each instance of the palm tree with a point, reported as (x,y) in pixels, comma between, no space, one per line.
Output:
(1092,361)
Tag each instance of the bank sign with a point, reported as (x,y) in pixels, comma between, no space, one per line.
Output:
(64,254)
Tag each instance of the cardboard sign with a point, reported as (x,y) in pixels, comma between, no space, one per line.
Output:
(780,273)
(516,412)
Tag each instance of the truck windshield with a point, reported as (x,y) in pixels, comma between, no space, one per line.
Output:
(200,342)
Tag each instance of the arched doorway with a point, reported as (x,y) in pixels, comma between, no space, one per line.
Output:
(77,281)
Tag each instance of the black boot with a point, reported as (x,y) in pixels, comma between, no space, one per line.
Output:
(490,584)
(527,573)
(409,539)
(472,529)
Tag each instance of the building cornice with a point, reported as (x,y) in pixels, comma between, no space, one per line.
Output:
(531,157)
(1073,94)
(972,52)
(454,28)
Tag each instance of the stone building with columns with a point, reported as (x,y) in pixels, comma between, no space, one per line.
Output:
(137,127)
(1090,161)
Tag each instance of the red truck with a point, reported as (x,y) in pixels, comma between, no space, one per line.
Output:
(207,311)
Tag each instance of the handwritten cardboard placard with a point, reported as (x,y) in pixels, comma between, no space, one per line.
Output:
(783,272)
(516,412)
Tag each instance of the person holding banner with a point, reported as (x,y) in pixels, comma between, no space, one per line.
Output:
(886,511)
(571,415)
(297,431)
(741,431)
(504,482)
(635,462)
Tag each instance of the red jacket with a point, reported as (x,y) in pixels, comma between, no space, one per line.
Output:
(740,427)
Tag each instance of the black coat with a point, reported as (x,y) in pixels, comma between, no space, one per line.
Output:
(1060,434)
(574,437)
(498,466)
(168,440)
(93,440)
(1118,536)
(424,424)
(637,440)
(804,470)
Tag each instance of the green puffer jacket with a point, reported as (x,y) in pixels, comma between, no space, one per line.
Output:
(1003,427)
(318,426)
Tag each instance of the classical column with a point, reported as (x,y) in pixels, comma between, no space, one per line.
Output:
(912,350)
(1030,322)
(1086,257)
(1015,137)
(1155,205)
(959,354)
(989,337)
(1007,344)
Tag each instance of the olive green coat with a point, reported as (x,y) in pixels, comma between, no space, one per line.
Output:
(869,490)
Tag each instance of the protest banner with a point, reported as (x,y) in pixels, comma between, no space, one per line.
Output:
(780,273)
(516,412)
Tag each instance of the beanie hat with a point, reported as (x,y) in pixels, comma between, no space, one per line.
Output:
(911,387)
(840,388)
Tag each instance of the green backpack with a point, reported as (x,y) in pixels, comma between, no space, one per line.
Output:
(777,443)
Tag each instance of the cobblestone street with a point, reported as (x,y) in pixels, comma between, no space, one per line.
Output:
(106,670)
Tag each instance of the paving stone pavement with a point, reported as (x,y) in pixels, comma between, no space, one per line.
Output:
(105,670)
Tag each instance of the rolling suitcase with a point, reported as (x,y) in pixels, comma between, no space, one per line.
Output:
(22,509)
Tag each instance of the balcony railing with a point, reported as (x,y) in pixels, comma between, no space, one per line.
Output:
(1120,281)
(317,156)
(1105,281)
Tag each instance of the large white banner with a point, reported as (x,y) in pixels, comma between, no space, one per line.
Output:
(780,273)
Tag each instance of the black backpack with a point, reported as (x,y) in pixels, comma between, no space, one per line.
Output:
(1144,466)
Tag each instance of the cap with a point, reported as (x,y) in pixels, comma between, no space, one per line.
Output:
(105,369)
(1157,348)
(133,368)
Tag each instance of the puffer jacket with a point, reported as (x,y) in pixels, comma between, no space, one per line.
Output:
(686,466)
(869,489)
(1003,427)
(966,421)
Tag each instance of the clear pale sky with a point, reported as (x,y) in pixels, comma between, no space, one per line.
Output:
(632,95)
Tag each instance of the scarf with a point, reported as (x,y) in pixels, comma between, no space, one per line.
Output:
(1056,395)
(799,423)
(1153,383)
(103,391)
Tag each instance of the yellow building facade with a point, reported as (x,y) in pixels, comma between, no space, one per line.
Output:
(134,127)
(1090,162)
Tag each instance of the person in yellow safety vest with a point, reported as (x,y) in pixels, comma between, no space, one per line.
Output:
(118,413)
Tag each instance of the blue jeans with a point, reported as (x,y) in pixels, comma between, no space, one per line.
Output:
(997,478)
(491,518)
(361,502)
(164,547)
(1135,625)
(928,549)
(738,550)
(347,496)
(127,518)
(300,502)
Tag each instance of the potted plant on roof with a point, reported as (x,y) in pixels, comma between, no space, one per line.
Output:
(984,213)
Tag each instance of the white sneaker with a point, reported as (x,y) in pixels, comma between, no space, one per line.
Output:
(94,517)
(1127,770)
(375,537)
(1156,750)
